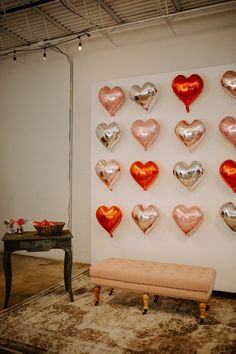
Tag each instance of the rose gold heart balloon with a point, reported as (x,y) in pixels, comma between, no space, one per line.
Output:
(190,134)
(228,214)
(108,172)
(145,218)
(228,129)
(228,82)
(188,175)
(188,219)
(111,99)
(144,96)
(145,132)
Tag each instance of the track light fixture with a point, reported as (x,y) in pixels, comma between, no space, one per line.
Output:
(14,57)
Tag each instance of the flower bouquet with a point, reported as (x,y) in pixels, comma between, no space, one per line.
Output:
(48,228)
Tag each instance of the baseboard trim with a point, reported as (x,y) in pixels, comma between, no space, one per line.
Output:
(225,294)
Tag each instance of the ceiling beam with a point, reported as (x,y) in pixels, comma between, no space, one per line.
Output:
(176,5)
(52,20)
(107,8)
(30,5)
(13,35)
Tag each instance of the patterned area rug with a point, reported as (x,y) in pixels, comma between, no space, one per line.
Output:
(49,323)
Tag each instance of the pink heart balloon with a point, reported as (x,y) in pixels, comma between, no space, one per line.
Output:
(145,132)
(188,219)
(228,82)
(228,129)
(111,99)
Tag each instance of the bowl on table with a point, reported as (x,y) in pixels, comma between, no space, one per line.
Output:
(48,228)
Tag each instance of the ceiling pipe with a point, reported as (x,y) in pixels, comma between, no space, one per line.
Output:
(19,8)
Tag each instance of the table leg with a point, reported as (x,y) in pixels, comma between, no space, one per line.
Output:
(8,275)
(67,272)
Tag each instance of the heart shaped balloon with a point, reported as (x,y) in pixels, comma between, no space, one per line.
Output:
(228,214)
(108,172)
(145,132)
(144,174)
(228,173)
(111,98)
(187,89)
(188,175)
(190,134)
(228,129)
(144,96)
(108,135)
(145,218)
(228,82)
(109,218)
(188,219)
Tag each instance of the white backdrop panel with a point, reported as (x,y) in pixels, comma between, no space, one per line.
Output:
(213,244)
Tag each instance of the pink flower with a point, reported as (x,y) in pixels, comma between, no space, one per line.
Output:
(21,221)
(11,221)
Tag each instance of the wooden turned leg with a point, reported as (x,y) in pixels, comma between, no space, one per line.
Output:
(155,298)
(202,311)
(208,303)
(145,303)
(111,291)
(97,294)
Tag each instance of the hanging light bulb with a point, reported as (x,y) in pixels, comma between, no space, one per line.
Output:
(44,54)
(14,58)
(80,45)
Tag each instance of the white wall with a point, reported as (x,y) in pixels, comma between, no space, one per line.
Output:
(34,98)
(198,43)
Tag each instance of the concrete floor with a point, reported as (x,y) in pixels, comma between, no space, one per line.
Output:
(31,275)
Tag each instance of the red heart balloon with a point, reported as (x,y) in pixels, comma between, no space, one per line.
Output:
(144,174)
(228,173)
(109,218)
(187,89)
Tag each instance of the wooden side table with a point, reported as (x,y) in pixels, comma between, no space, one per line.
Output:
(30,241)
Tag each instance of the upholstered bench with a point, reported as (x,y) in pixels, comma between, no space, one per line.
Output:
(172,280)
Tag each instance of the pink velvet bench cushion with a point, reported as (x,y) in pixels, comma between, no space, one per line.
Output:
(173,280)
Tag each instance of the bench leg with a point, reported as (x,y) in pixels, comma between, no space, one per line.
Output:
(208,303)
(155,298)
(145,303)
(110,291)
(202,311)
(97,294)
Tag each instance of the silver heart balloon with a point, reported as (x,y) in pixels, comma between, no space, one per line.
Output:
(228,213)
(108,135)
(108,171)
(190,134)
(144,96)
(228,82)
(145,218)
(188,175)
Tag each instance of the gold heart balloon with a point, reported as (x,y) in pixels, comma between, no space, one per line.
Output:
(188,219)
(145,132)
(190,134)
(228,214)
(144,96)
(228,129)
(108,135)
(228,82)
(108,171)
(145,218)
(188,175)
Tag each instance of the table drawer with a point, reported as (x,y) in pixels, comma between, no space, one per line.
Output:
(37,245)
